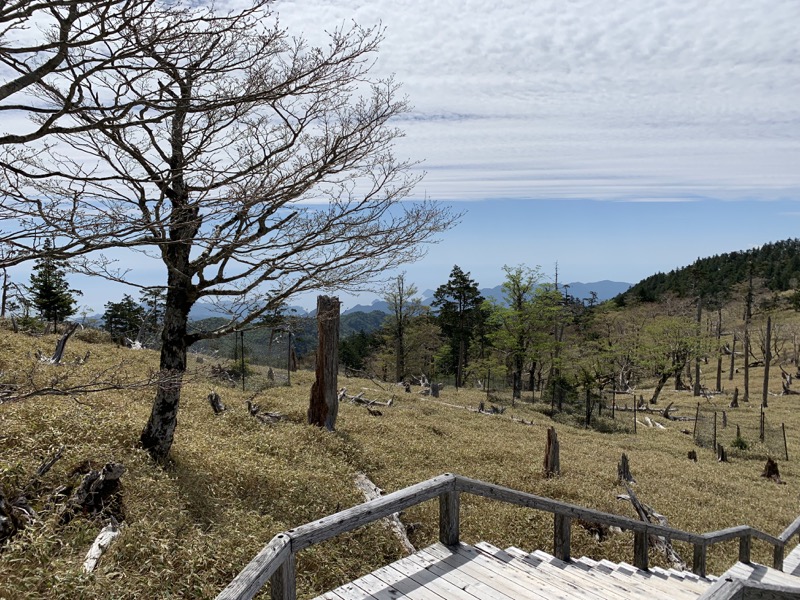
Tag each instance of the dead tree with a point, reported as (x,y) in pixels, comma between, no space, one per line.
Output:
(767,359)
(624,470)
(552,463)
(324,405)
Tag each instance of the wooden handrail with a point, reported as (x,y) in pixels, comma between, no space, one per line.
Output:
(276,561)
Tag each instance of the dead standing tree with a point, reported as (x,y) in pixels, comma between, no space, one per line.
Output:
(324,405)
(254,168)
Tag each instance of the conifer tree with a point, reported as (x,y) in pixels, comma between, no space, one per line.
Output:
(50,292)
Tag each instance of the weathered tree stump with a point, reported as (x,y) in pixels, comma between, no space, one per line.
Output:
(216,402)
(324,405)
(97,494)
(692,455)
(735,400)
(624,470)
(552,463)
(435,387)
(722,456)
(771,471)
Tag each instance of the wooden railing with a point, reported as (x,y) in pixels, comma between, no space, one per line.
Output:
(276,561)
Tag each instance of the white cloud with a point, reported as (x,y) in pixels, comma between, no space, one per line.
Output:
(623,100)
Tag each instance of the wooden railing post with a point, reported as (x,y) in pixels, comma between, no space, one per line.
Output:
(640,550)
(449,504)
(283,583)
(745,543)
(699,560)
(562,529)
(777,557)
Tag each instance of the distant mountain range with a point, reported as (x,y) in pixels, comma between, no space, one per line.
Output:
(605,290)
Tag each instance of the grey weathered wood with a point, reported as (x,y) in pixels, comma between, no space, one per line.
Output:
(777,557)
(699,560)
(449,518)
(745,545)
(496,492)
(562,530)
(283,584)
(738,589)
(363,514)
(640,550)
(258,571)
(791,530)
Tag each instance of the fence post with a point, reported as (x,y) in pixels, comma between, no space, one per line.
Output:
(699,560)
(449,504)
(283,583)
(777,557)
(640,548)
(745,543)
(714,438)
(562,529)
(785,447)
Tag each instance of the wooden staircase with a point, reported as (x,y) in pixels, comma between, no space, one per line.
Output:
(454,570)
(484,572)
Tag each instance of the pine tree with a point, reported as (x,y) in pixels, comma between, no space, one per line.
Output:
(51,294)
(458,302)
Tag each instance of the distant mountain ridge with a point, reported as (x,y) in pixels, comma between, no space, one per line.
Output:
(605,290)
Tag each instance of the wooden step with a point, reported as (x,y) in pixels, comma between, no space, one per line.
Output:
(791,564)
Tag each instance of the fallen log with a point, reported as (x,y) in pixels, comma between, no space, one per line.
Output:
(266,417)
(372,492)
(359,399)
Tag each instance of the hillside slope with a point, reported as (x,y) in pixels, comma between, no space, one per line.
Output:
(234,482)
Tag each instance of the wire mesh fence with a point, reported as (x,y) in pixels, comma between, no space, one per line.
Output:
(740,433)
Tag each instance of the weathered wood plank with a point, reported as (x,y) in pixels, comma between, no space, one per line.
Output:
(258,571)
(363,514)
(463,580)
(791,530)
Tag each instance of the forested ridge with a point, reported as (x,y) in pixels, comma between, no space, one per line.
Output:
(776,265)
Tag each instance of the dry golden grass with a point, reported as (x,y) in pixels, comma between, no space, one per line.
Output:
(234,483)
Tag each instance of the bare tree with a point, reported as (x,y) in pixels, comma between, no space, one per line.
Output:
(254,168)
(67,63)
(403,307)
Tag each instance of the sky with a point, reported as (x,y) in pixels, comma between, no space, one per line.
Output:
(613,139)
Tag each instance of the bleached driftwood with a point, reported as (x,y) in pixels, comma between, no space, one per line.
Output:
(101,543)
(359,399)
(371,492)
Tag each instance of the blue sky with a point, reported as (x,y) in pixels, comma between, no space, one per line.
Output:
(617,139)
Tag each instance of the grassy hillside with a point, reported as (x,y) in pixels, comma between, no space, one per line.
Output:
(233,482)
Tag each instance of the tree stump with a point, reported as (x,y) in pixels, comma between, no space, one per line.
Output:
(771,471)
(324,405)
(216,403)
(722,456)
(552,463)
(692,455)
(624,470)
(735,401)
(435,390)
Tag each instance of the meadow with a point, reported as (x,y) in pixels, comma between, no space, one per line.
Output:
(234,482)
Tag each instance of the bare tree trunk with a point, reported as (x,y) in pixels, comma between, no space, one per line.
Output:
(719,350)
(696,387)
(733,357)
(659,386)
(767,359)
(324,405)
(159,431)
(746,394)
